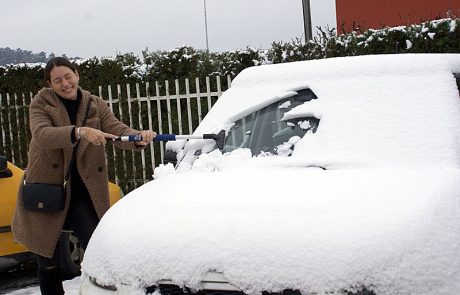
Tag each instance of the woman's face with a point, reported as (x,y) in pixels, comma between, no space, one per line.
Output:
(64,82)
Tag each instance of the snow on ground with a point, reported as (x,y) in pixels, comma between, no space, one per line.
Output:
(70,287)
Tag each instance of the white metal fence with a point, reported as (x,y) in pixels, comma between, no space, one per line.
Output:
(165,107)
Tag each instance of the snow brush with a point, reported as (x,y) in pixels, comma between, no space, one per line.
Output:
(218,138)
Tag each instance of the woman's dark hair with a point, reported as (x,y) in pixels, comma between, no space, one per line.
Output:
(55,62)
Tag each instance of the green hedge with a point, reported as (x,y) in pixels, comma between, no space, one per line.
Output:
(438,36)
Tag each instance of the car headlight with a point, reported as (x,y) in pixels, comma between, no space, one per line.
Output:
(106,287)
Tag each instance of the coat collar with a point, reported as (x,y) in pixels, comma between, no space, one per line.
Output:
(57,109)
(58,112)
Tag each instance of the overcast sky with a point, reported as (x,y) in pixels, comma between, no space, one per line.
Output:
(89,28)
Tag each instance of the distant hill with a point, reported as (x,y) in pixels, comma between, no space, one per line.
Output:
(16,56)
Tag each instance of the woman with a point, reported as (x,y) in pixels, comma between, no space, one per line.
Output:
(56,116)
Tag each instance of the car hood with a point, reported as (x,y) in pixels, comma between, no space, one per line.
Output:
(394,231)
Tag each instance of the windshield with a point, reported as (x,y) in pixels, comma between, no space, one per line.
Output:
(265,132)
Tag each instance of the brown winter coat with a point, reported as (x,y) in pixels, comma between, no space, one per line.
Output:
(48,160)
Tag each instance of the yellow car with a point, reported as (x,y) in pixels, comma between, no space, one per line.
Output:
(13,254)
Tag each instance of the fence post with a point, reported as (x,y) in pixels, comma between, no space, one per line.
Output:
(208,92)
(8,105)
(18,129)
(160,123)
(179,109)
(138,94)
(106,159)
(229,82)
(168,107)
(2,124)
(130,116)
(149,108)
(198,98)
(120,109)
(189,108)
(114,154)
(25,121)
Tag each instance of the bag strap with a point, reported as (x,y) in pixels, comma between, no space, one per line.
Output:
(75,148)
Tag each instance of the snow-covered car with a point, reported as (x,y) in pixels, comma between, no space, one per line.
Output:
(337,176)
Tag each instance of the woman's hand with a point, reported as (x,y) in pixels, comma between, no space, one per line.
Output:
(95,136)
(147,137)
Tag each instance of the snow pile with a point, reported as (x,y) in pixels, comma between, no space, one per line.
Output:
(70,287)
(286,148)
(163,170)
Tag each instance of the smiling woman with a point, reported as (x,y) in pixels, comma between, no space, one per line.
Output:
(69,127)
(64,82)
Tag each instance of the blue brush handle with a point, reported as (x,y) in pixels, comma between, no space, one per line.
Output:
(165,137)
(135,137)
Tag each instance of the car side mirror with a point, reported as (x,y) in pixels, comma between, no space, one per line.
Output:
(5,172)
(170,156)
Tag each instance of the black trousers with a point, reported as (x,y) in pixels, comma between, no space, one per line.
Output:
(82,219)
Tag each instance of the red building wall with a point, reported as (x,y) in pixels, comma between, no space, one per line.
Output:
(381,13)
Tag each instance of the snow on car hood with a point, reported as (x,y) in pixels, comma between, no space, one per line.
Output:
(395,231)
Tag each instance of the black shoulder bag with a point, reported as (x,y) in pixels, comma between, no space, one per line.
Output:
(49,197)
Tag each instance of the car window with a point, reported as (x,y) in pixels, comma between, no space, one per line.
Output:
(265,132)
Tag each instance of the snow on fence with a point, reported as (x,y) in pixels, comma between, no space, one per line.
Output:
(165,107)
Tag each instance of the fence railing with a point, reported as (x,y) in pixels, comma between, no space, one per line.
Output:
(165,107)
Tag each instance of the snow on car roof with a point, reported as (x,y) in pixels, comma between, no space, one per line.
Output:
(373,109)
(388,219)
